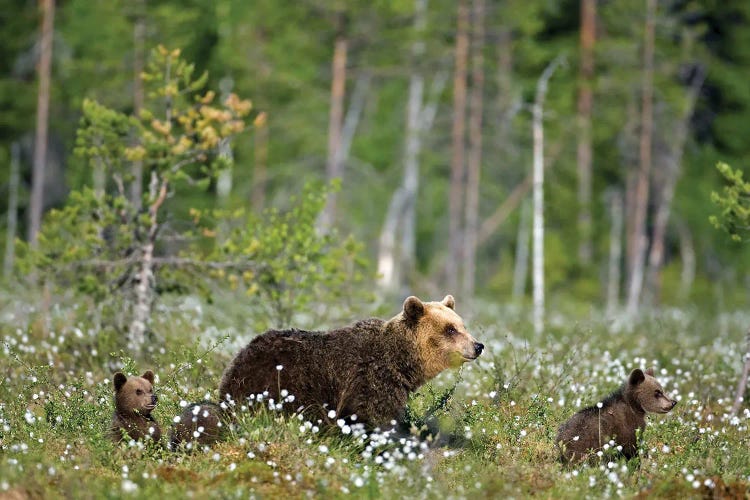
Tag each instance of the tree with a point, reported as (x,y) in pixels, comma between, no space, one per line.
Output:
(637,240)
(455,202)
(174,140)
(734,218)
(42,118)
(585,104)
(538,195)
(334,164)
(474,160)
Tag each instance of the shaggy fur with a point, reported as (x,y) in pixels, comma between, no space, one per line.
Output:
(366,369)
(621,418)
(134,402)
(199,424)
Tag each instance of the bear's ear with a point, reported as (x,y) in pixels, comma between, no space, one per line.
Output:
(119,381)
(149,375)
(650,372)
(449,302)
(413,308)
(636,377)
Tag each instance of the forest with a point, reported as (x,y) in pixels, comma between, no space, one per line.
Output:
(178,177)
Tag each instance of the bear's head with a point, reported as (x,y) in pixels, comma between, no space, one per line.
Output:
(645,391)
(442,340)
(135,395)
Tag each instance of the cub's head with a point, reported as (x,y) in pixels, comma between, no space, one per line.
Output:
(135,395)
(648,392)
(442,339)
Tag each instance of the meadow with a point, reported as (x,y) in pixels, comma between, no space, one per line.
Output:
(497,416)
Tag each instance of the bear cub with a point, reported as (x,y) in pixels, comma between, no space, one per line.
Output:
(619,417)
(134,402)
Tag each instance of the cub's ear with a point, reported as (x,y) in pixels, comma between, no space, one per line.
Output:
(149,375)
(650,372)
(636,377)
(119,381)
(449,302)
(413,308)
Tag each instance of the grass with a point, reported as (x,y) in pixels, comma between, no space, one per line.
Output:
(498,416)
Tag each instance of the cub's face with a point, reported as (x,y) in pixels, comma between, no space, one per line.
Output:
(135,395)
(442,339)
(649,392)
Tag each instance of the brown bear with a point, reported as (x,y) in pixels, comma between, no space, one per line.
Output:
(361,372)
(619,417)
(134,402)
(199,424)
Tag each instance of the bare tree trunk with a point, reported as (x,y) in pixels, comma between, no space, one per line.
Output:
(42,119)
(521,267)
(336,117)
(513,200)
(671,173)
(742,385)
(538,195)
(393,258)
(687,257)
(10,234)
(474,159)
(139,56)
(144,288)
(260,171)
(585,104)
(455,236)
(644,172)
(615,252)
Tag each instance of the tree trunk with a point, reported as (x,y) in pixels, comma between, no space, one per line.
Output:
(474,159)
(139,56)
(742,385)
(585,104)
(615,253)
(42,120)
(335,118)
(671,173)
(455,202)
(521,267)
(538,195)
(260,171)
(687,257)
(144,288)
(10,233)
(640,242)
(393,257)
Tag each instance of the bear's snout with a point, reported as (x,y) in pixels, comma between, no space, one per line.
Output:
(674,403)
(154,399)
(478,348)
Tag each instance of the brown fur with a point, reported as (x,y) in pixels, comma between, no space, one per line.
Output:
(199,424)
(621,418)
(366,369)
(134,402)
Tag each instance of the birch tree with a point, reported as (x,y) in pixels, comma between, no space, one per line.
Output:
(397,242)
(537,133)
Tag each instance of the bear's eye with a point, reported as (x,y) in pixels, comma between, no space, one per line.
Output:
(658,394)
(451,330)
(139,392)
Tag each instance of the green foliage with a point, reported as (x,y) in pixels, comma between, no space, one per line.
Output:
(281,261)
(734,203)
